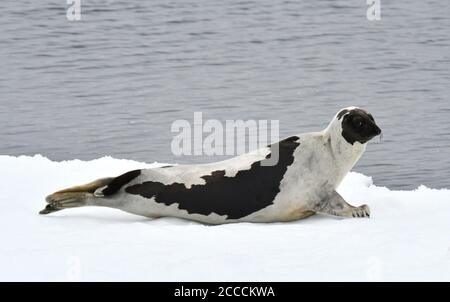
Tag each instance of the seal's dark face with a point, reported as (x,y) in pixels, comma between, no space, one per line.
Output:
(358,126)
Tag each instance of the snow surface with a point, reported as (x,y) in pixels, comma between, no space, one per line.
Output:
(407,237)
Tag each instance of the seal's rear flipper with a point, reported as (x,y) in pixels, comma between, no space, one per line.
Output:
(48,209)
(73,197)
(59,201)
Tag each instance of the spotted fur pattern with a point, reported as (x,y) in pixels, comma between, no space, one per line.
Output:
(303,181)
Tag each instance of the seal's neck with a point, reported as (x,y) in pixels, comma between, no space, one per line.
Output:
(346,155)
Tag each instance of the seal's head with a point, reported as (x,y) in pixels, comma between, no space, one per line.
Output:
(348,134)
(357,125)
(350,130)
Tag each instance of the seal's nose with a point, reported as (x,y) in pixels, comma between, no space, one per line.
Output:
(377,130)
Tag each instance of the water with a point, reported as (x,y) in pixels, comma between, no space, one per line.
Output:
(113,83)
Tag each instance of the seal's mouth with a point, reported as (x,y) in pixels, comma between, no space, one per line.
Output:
(376,131)
(380,134)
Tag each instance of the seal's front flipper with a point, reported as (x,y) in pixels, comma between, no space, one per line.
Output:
(361,211)
(336,205)
(73,197)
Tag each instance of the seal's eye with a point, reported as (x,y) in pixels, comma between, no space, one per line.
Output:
(358,122)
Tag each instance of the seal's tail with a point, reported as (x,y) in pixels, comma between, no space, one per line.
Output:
(73,197)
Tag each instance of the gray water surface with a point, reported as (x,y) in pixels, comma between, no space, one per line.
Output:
(113,83)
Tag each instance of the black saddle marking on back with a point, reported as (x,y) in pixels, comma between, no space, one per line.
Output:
(118,182)
(238,196)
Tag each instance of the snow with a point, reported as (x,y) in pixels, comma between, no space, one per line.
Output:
(406,239)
